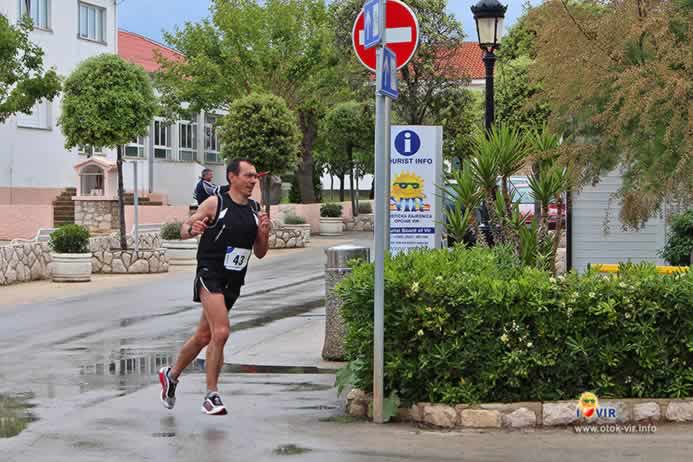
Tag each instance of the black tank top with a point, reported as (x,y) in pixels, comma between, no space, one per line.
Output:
(234,227)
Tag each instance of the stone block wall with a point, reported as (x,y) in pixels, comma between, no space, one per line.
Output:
(532,414)
(31,261)
(284,238)
(129,261)
(97,216)
(362,222)
(24,262)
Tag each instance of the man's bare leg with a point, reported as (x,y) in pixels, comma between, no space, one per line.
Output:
(218,319)
(192,347)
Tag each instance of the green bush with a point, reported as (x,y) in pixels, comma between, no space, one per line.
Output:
(679,246)
(365,207)
(291,219)
(472,325)
(331,210)
(70,239)
(171,231)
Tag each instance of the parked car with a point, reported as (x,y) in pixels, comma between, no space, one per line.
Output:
(522,193)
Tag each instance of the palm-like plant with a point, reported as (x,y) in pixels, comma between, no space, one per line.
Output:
(511,154)
(466,193)
(484,168)
(542,145)
(548,185)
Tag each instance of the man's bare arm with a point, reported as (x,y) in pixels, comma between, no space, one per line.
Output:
(198,222)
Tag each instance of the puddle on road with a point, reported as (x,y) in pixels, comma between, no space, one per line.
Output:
(289,450)
(14,414)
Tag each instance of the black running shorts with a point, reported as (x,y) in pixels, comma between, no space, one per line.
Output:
(216,282)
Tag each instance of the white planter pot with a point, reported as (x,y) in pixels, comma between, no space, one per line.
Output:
(331,226)
(71,267)
(305,229)
(180,253)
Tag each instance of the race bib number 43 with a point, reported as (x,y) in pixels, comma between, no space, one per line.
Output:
(236,259)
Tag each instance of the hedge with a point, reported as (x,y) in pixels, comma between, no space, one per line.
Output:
(471,325)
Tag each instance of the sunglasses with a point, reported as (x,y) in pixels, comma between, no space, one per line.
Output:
(406,185)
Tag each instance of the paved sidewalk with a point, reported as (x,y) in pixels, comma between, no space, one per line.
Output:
(39,291)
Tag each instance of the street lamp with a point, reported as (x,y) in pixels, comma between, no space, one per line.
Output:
(488,15)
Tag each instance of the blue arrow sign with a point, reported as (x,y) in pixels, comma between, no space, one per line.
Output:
(372,34)
(386,82)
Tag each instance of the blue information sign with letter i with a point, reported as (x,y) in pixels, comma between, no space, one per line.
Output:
(386,82)
(371,24)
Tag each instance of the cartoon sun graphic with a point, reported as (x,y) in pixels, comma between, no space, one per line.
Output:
(407,193)
(588,404)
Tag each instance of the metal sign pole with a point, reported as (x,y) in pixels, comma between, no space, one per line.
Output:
(381,204)
(135,202)
(388,180)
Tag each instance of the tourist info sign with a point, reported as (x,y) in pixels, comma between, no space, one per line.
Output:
(416,171)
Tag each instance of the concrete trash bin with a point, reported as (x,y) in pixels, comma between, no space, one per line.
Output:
(335,270)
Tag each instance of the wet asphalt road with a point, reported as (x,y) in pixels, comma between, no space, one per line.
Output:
(80,375)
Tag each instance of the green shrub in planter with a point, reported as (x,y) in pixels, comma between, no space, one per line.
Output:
(331,210)
(472,325)
(679,246)
(70,239)
(365,207)
(292,219)
(171,231)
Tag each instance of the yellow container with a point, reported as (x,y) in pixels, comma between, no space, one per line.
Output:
(611,268)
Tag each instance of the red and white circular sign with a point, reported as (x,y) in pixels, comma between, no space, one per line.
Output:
(402,35)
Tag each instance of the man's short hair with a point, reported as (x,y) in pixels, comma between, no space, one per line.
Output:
(205,171)
(234,166)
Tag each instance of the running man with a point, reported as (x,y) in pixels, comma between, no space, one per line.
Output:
(231,227)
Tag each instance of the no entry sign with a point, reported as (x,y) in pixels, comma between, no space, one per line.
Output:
(402,35)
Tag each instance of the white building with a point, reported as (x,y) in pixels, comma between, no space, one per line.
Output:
(34,164)
(35,167)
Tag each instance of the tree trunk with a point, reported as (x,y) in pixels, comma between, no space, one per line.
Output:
(265,187)
(354,210)
(371,195)
(341,187)
(121,203)
(557,235)
(309,129)
(331,187)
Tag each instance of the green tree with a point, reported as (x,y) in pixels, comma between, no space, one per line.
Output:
(261,128)
(460,114)
(346,136)
(433,77)
(520,100)
(107,102)
(618,73)
(23,80)
(283,47)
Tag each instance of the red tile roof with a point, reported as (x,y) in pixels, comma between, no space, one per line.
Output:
(469,58)
(138,49)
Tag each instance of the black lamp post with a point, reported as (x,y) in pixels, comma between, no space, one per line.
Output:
(488,15)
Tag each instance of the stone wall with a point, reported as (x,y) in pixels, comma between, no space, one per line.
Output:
(31,261)
(363,222)
(24,262)
(129,261)
(284,238)
(97,216)
(532,414)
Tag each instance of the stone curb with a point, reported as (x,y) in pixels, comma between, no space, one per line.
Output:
(530,414)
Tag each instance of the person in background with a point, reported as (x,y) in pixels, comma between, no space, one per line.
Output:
(205,187)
